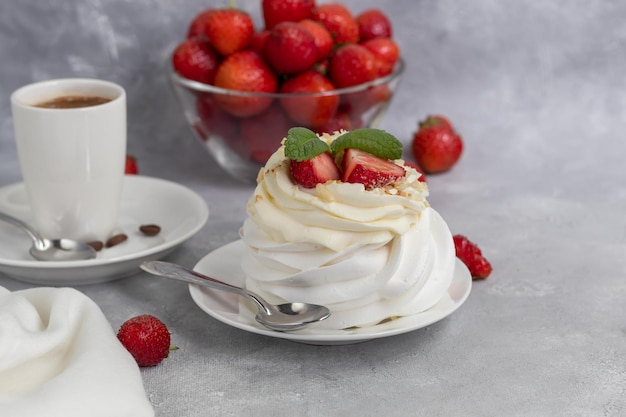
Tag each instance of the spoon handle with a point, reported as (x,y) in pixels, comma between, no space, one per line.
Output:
(25,227)
(177,272)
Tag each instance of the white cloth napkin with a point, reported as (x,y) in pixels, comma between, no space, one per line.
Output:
(60,357)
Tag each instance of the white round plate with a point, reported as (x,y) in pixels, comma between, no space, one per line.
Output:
(223,264)
(179,212)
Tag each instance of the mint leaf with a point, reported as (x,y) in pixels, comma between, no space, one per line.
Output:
(303,144)
(374,141)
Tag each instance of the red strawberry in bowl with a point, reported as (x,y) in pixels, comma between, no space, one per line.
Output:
(277,11)
(323,40)
(373,24)
(290,48)
(229,30)
(352,65)
(197,27)
(259,39)
(196,60)
(309,110)
(339,21)
(386,52)
(245,71)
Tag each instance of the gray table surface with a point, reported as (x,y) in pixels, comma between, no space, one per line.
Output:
(538,91)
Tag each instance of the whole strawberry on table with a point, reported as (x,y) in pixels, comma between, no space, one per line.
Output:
(146,338)
(471,255)
(130,166)
(436,145)
(303,48)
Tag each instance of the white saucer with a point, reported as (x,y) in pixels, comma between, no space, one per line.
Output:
(179,212)
(223,264)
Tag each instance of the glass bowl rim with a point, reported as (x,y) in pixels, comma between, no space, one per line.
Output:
(207,88)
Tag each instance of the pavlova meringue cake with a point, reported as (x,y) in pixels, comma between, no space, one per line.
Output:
(340,220)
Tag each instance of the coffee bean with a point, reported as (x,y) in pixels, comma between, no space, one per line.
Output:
(150,229)
(116,240)
(97,245)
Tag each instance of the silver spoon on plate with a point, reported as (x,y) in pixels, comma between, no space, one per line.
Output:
(52,249)
(283,318)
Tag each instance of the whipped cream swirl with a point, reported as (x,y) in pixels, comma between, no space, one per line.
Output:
(367,255)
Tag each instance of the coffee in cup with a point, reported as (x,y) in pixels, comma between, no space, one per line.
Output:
(71,142)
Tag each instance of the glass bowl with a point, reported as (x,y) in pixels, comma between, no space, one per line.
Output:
(241,142)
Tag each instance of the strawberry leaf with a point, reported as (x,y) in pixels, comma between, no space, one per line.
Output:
(303,144)
(374,141)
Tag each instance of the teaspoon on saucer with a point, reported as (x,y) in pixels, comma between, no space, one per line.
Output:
(52,249)
(282,318)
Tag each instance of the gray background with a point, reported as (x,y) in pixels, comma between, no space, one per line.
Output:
(537,89)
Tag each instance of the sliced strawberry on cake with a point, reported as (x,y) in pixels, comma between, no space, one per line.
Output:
(316,170)
(367,169)
(366,157)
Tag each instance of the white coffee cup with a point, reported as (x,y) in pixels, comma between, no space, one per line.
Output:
(72,159)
